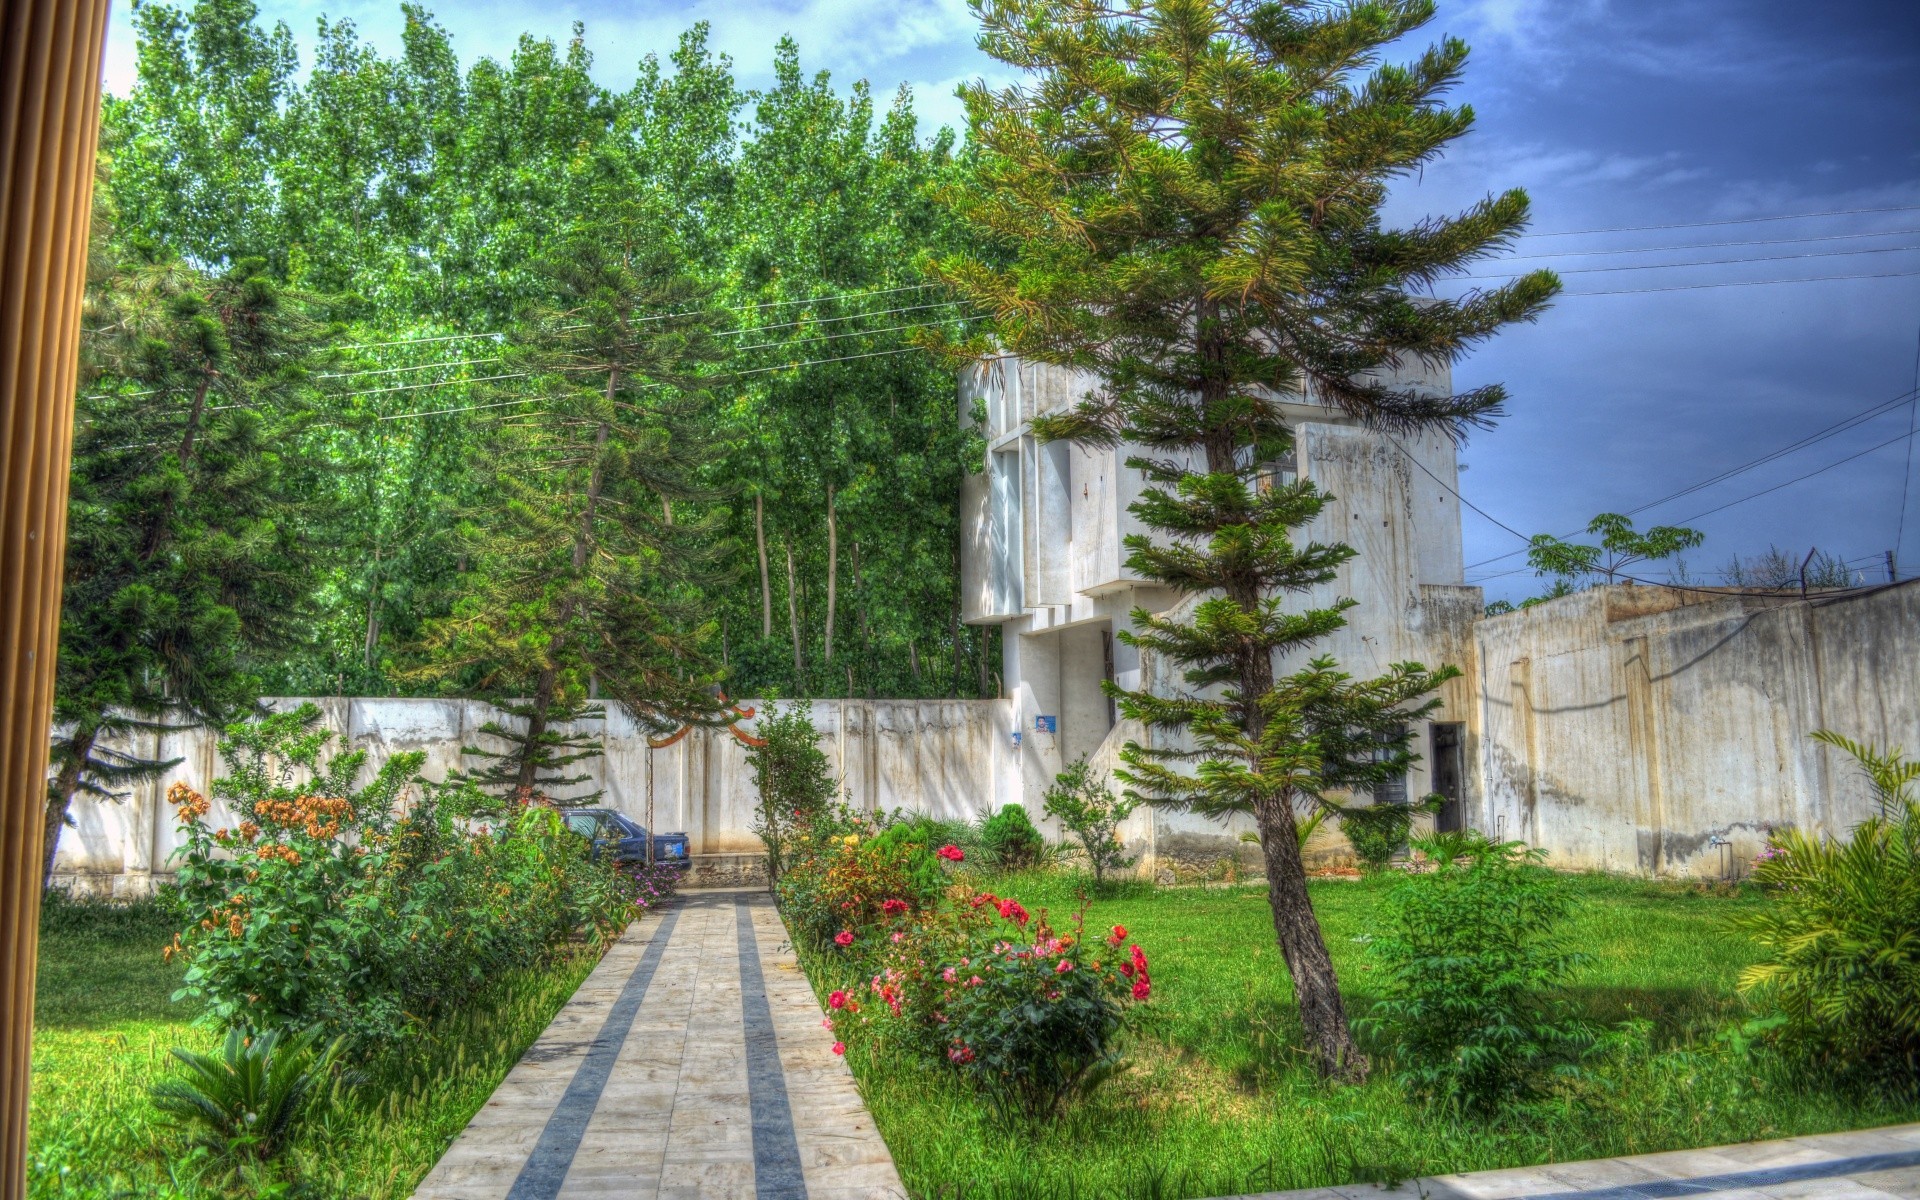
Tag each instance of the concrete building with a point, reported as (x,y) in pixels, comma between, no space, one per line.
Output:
(1043,557)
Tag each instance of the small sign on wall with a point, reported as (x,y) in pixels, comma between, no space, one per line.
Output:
(1044,724)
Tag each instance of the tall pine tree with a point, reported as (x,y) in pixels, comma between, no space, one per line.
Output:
(191,564)
(584,568)
(1190,193)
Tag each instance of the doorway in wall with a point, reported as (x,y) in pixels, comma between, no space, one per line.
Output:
(1106,672)
(1449,772)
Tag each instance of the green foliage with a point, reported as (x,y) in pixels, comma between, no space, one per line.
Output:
(1184,203)
(327,906)
(1010,840)
(1379,830)
(1089,810)
(1840,936)
(249,1100)
(846,879)
(793,780)
(436,194)
(1473,953)
(1620,547)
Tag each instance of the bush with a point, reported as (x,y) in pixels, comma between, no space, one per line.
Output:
(326,906)
(1471,960)
(1377,832)
(1841,939)
(1029,1016)
(846,878)
(792,778)
(1092,814)
(249,1100)
(1010,840)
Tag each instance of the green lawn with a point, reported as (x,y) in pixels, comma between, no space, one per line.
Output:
(103,1024)
(1220,1100)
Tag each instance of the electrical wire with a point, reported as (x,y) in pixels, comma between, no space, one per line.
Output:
(1713,262)
(1796,241)
(1694,287)
(1838,212)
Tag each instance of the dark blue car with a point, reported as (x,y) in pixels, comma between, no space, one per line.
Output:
(619,835)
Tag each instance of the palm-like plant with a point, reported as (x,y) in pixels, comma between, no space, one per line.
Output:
(1842,934)
(250,1098)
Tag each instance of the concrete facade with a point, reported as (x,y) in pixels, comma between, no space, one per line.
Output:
(1043,556)
(1664,732)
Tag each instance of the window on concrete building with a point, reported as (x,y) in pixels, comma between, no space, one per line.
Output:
(1390,791)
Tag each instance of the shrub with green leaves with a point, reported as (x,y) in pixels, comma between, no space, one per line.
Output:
(1377,832)
(249,1100)
(1840,936)
(793,780)
(1089,810)
(327,905)
(1472,959)
(1011,841)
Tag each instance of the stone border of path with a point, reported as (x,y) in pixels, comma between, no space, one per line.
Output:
(691,1063)
(1867,1164)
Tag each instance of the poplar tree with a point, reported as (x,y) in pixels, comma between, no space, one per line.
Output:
(194,501)
(584,567)
(1189,195)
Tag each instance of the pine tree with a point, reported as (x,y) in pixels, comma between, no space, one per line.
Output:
(1190,194)
(584,565)
(191,558)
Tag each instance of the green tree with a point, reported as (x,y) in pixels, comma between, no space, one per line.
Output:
(195,486)
(1089,810)
(1620,547)
(793,779)
(1190,194)
(583,581)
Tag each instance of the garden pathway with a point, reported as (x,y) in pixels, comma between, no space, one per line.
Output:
(1871,1164)
(690,1064)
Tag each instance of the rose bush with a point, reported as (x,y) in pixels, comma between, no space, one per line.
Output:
(328,905)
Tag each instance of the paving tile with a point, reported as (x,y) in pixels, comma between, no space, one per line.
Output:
(1903,1182)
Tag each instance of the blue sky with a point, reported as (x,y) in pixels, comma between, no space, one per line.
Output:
(1610,113)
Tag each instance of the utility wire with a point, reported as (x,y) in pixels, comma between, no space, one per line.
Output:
(1838,212)
(1796,241)
(1694,287)
(1906,477)
(1714,262)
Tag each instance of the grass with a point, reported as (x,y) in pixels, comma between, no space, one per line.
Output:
(1220,1099)
(103,1026)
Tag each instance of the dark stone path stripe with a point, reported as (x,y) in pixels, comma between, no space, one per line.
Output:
(776,1151)
(1706,1185)
(546,1168)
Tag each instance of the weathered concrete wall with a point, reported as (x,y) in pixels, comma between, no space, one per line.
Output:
(946,757)
(1629,728)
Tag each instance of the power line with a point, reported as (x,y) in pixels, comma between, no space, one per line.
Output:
(1694,287)
(1455,493)
(1715,262)
(885,312)
(1795,241)
(1906,476)
(1797,478)
(1819,435)
(1838,212)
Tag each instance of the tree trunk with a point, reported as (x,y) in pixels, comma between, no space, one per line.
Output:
(833,572)
(543,693)
(913,659)
(66,781)
(793,625)
(373,608)
(1316,988)
(766,587)
(157,535)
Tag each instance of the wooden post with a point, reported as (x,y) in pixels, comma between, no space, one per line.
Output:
(49,122)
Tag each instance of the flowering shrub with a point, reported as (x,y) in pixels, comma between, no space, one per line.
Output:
(327,905)
(1028,1014)
(845,878)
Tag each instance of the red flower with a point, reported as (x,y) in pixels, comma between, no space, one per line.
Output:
(1065,965)
(1118,935)
(843,938)
(839,1047)
(961,1053)
(951,853)
(838,999)
(893,908)
(983,898)
(1011,910)
(1141,989)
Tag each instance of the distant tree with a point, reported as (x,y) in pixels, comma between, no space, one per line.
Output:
(1089,810)
(194,497)
(583,581)
(1620,547)
(793,778)
(1188,198)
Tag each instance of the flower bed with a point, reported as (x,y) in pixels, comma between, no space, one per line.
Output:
(935,967)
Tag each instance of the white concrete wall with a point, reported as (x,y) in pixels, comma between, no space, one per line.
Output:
(950,758)
(1626,729)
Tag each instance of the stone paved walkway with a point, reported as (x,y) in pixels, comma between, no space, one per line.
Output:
(1871,1164)
(690,1064)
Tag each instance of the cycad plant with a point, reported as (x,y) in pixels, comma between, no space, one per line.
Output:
(249,1100)
(1841,934)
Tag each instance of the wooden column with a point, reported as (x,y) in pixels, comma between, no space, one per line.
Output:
(50,54)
